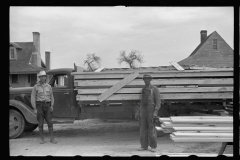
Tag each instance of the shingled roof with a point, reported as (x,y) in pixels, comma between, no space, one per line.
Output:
(204,55)
(23,63)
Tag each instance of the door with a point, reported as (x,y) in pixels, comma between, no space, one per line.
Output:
(62,96)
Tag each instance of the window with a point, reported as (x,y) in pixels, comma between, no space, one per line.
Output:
(60,81)
(12,54)
(14,78)
(215,44)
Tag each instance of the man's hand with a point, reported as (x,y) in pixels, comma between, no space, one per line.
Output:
(137,116)
(155,114)
(35,111)
(51,109)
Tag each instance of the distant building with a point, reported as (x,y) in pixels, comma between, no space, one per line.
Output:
(213,51)
(25,62)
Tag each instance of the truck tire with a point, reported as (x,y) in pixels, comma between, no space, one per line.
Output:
(162,113)
(29,127)
(16,124)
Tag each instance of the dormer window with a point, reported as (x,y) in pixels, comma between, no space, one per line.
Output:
(215,46)
(12,53)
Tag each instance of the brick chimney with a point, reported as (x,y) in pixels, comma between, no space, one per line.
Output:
(203,35)
(47,59)
(36,55)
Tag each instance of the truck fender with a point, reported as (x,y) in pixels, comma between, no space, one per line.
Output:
(26,110)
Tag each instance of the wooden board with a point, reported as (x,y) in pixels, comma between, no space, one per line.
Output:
(203,128)
(157,82)
(202,134)
(153,71)
(164,125)
(176,65)
(189,154)
(155,75)
(187,96)
(117,86)
(215,131)
(210,121)
(201,117)
(164,119)
(161,90)
(210,139)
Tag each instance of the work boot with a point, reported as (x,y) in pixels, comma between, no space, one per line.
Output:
(153,150)
(52,140)
(41,135)
(142,149)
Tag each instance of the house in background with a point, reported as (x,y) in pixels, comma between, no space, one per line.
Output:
(213,51)
(25,62)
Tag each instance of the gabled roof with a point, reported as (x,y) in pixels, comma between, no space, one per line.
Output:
(200,45)
(23,63)
(204,55)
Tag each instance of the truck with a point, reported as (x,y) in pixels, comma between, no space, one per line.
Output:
(77,93)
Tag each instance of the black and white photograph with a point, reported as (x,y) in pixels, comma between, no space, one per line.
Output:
(121,81)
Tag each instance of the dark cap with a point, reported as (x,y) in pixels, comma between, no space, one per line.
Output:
(147,76)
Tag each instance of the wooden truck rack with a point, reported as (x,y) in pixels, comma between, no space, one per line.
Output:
(180,91)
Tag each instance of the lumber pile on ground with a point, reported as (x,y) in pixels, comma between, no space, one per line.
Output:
(199,128)
(188,85)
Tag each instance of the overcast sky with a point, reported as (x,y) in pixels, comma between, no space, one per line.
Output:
(161,34)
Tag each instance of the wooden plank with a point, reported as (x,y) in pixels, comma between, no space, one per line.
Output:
(188,96)
(170,125)
(216,131)
(161,90)
(155,75)
(189,154)
(201,117)
(202,134)
(99,69)
(165,119)
(202,128)
(157,82)
(118,86)
(202,139)
(191,120)
(177,66)
(154,71)
(164,130)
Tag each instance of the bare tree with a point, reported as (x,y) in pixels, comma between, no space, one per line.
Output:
(92,61)
(131,59)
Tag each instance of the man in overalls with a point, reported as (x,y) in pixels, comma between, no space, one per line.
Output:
(149,106)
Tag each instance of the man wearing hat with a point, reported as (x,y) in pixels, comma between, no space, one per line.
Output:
(42,101)
(149,106)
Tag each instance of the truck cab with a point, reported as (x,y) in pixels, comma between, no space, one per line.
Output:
(66,108)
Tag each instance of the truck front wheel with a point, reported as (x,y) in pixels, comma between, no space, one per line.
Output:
(16,124)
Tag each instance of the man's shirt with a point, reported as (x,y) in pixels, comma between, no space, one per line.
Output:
(42,93)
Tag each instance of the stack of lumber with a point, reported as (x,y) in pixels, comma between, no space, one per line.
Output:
(229,109)
(200,128)
(187,85)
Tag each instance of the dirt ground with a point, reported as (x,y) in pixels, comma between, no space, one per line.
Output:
(94,137)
